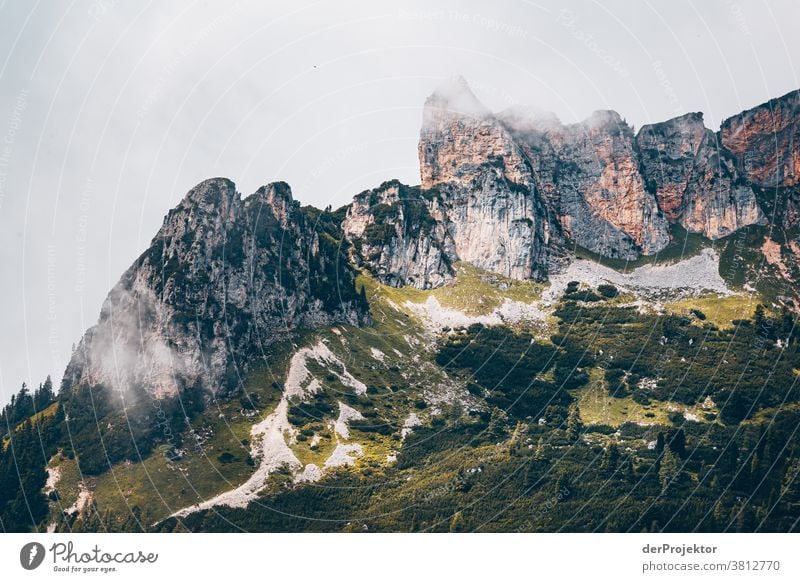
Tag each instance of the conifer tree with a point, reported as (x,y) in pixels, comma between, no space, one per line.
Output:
(669,470)
(574,424)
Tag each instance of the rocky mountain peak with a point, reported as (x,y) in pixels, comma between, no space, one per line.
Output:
(223,279)
(488,200)
(589,175)
(399,234)
(225,276)
(214,195)
(453,98)
(688,128)
(766,141)
(695,179)
(459,136)
(278,195)
(605,120)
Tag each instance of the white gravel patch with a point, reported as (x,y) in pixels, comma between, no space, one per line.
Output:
(53,477)
(688,277)
(299,376)
(269,437)
(517,312)
(344,455)
(310,474)
(438,317)
(84,497)
(346,414)
(269,445)
(377,354)
(412,342)
(409,423)
(268,441)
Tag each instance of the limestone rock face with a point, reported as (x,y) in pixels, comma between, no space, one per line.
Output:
(477,203)
(766,141)
(589,174)
(509,192)
(460,138)
(487,199)
(396,237)
(222,280)
(695,180)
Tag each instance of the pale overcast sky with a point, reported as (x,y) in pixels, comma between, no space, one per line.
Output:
(110,111)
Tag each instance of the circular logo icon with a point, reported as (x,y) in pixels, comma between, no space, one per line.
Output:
(31,555)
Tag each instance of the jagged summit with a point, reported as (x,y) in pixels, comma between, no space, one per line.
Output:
(604,118)
(278,195)
(766,141)
(455,97)
(223,279)
(695,179)
(692,118)
(211,193)
(513,189)
(240,360)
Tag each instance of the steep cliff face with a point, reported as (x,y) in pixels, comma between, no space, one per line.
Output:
(397,238)
(222,280)
(766,141)
(460,141)
(506,192)
(590,176)
(488,200)
(694,179)
(477,203)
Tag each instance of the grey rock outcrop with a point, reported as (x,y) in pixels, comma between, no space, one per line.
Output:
(589,174)
(766,141)
(508,193)
(222,280)
(695,180)
(395,236)
(489,202)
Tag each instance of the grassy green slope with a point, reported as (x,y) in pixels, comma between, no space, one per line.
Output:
(516,432)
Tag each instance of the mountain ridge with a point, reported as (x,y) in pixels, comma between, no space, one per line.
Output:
(504,196)
(434,355)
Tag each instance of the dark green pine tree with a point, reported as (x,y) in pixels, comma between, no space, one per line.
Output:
(574,424)
(660,443)
(563,486)
(677,444)
(759,318)
(497,429)
(44,396)
(669,470)
(611,458)
(23,505)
